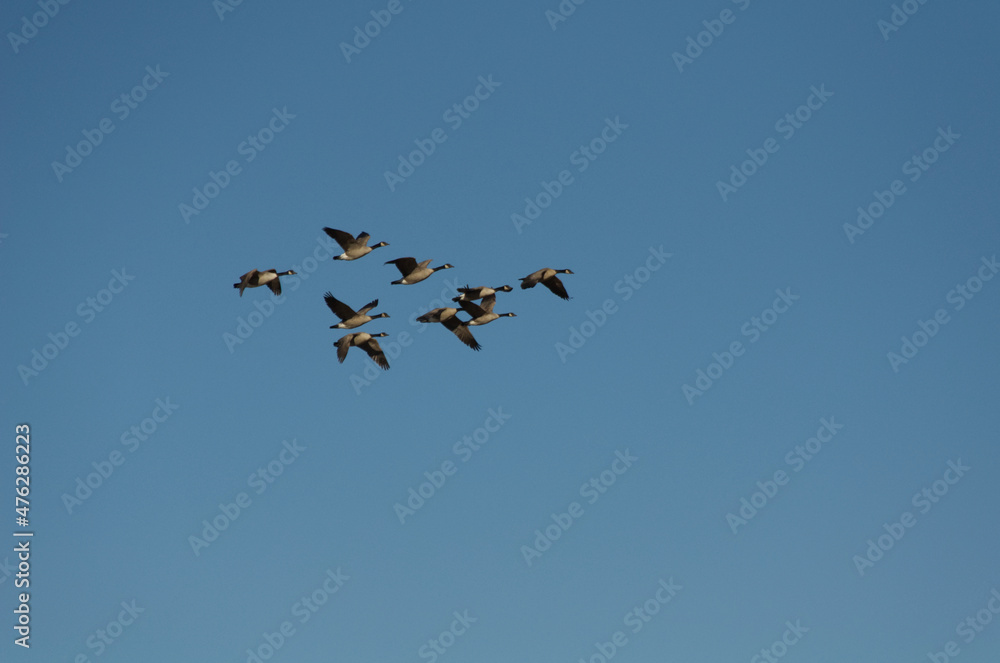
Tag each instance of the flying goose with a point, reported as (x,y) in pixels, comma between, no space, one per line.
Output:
(413,272)
(367,343)
(469,294)
(353,248)
(548,278)
(449,318)
(349,318)
(482,314)
(268,277)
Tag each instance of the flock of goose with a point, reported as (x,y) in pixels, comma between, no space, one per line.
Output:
(412,272)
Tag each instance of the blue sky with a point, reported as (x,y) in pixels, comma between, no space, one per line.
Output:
(736,336)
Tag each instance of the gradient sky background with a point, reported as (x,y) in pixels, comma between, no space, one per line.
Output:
(163,336)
